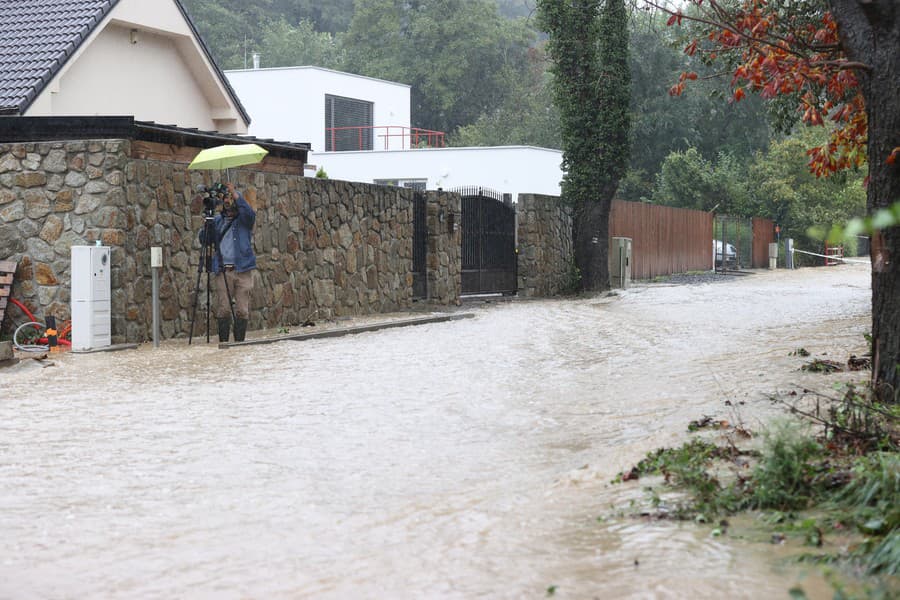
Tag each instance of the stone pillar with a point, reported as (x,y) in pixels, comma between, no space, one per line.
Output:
(444,259)
(544,231)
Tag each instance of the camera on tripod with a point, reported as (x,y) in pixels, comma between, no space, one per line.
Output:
(212,195)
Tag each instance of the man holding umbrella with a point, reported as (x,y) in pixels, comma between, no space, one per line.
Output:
(233,263)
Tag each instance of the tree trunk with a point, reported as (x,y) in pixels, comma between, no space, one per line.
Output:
(870,32)
(591,237)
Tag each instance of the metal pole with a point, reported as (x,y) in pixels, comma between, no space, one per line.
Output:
(155,264)
(156,307)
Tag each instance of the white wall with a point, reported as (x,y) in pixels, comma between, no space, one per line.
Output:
(507,169)
(288,104)
(163,77)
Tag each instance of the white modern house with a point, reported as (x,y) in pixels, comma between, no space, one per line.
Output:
(360,130)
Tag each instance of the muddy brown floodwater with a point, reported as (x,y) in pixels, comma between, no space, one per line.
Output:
(468,459)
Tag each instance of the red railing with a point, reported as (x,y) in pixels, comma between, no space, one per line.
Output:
(391,137)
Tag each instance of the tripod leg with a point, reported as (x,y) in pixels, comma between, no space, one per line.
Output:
(197,291)
(207,305)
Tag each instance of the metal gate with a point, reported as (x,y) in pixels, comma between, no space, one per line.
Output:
(420,247)
(732,243)
(743,241)
(488,242)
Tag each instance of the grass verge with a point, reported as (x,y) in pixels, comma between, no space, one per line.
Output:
(831,471)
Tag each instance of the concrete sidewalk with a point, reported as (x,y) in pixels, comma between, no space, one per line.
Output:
(349,330)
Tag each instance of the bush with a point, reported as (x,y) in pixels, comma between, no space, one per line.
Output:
(786,478)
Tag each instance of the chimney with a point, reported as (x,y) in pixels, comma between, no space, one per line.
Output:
(256,60)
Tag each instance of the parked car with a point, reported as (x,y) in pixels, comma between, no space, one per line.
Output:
(730,253)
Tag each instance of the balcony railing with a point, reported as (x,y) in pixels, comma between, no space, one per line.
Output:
(382,137)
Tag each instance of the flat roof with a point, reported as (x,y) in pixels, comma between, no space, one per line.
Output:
(312,68)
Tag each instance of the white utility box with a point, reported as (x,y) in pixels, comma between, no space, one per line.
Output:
(91,297)
(620,262)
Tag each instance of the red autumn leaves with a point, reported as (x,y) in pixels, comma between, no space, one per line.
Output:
(779,54)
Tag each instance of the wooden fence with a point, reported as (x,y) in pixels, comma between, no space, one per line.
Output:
(763,235)
(665,240)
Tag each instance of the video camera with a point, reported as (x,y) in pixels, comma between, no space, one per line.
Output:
(213,195)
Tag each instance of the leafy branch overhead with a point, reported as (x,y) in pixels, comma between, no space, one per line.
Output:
(782,49)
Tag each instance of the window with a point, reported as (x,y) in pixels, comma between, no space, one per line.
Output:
(413,184)
(348,124)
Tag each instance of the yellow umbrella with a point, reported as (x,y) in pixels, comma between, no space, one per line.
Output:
(227,157)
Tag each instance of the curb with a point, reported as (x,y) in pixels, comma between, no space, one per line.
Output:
(331,333)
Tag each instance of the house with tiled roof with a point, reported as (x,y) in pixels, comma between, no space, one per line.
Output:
(138,58)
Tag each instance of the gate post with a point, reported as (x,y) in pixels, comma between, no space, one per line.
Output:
(443,248)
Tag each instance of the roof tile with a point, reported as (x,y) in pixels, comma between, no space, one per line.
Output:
(36,38)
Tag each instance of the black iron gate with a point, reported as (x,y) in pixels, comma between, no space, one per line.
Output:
(488,242)
(420,247)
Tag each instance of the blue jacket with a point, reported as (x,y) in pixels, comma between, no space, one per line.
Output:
(243,226)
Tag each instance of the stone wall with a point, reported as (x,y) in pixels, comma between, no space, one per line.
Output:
(544,234)
(324,248)
(54,195)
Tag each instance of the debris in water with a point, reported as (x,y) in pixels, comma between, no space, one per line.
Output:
(707,422)
(823,366)
(855,363)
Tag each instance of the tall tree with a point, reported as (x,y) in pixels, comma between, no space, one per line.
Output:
(840,64)
(589,47)
(870,35)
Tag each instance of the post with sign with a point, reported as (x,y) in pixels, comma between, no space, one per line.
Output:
(155,265)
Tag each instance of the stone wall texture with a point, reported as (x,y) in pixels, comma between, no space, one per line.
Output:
(324,248)
(54,195)
(544,234)
(444,260)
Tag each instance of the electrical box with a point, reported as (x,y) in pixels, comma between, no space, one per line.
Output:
(91,297)
(620,262)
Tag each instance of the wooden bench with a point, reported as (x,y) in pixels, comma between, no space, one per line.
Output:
(7,272)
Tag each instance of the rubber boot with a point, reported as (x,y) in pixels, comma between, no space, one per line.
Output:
(240,329)
(224,328)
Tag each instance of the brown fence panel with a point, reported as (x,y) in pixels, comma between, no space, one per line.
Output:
(763,235)
(665,240)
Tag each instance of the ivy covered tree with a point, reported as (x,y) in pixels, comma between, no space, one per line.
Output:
(589,48)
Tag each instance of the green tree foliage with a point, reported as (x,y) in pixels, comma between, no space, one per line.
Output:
(699,119)
(776,184)
(785,191)
(330,16)
(460,56)
(235,29)
(528,117)
(516,8)
(228,27)
(284,45)
(688,180)
(589,47)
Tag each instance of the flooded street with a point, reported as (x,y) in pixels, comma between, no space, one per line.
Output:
(468,459)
